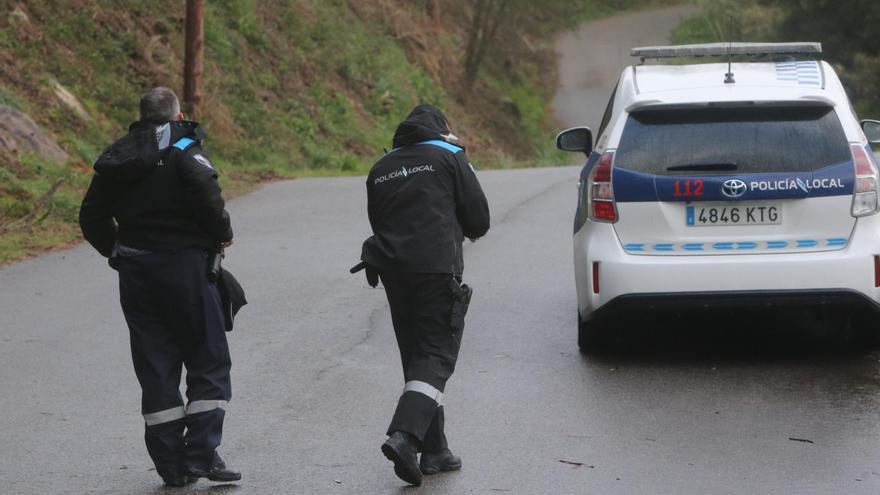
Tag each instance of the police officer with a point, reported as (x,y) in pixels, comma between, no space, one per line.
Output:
(423,199)
(154,208)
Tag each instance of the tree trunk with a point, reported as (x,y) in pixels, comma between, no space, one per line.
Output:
(475,35)
(487,17)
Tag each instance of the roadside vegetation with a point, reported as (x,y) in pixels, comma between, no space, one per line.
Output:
(847,31)
(292,88)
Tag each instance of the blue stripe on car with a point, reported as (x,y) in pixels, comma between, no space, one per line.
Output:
(631,186)
(803,73)
(665,247)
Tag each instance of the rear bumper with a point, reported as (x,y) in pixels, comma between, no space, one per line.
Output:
(842,277)
(764,299)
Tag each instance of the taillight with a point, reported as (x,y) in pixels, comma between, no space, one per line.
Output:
(876,271)
(867,186)
(601,194)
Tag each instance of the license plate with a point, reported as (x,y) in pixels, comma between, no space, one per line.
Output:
(756,214)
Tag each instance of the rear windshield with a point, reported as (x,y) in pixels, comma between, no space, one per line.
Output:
(709,141)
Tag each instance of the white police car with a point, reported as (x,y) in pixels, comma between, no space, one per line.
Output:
(725,184)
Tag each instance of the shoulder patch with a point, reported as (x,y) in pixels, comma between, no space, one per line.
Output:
(204,161)
(184,143)
(443,144)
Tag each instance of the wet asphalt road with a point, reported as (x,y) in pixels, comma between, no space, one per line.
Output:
(717,404)
(673,409)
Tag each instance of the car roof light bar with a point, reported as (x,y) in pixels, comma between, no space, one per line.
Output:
(727,49)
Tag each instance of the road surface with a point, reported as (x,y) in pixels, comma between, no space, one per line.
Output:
(675,409)
(593,56)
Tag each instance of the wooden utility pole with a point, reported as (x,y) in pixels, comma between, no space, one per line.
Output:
(194,61)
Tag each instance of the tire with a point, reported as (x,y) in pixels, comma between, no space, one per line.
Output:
(865,332)
(592,337)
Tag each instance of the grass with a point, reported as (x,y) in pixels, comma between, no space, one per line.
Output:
(39,205)
(693,30)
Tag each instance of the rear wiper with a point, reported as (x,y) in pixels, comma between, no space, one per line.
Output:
(700,167)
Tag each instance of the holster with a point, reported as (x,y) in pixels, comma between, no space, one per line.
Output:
(215,259)
(461,299)
(369,271)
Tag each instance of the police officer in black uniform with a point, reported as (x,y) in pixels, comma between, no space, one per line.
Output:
(154,208)
(423,200)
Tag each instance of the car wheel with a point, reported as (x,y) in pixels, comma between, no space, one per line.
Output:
(592,336)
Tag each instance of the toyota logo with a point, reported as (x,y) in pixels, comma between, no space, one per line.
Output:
(733,188)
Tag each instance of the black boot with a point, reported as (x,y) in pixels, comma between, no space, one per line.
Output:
(401,449)
(178,479)
(218,472)
(439,462)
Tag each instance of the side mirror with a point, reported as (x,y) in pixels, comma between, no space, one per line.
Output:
(577,139)
(872,130)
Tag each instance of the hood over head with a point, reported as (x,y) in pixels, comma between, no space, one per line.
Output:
(424,123)
(141,150)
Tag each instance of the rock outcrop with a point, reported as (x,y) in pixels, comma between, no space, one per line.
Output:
(19,133)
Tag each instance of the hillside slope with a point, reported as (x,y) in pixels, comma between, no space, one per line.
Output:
(295,87)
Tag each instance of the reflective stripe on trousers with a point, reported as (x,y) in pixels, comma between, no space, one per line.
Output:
(166,416)
(423,388)
(178,412)
(200,406)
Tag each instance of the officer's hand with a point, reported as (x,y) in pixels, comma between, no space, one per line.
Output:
(473,239)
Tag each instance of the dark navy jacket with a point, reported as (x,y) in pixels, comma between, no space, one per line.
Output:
(154,190)
(423,199)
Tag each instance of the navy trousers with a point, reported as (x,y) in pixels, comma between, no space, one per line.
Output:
(421,306)
(175,319)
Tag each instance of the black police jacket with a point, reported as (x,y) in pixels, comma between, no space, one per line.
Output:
(423,198)
(155,190)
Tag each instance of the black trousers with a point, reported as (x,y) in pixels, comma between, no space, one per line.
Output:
(175,319)
(420,310)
